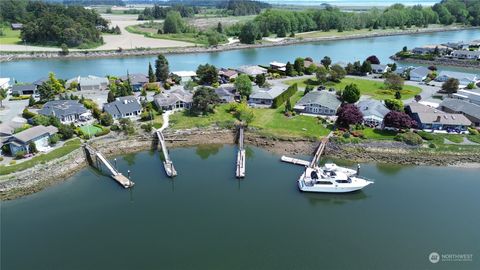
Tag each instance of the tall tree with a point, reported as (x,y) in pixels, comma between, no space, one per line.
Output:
(322,74)
(161,68)
(398,120)
(299,64)
(351,94)
(289,69)
(3,95)
(373,60)
(349,114)
(326,62)
(204,100)
(220,28)
(450,86)
(243,85)
(394,82)
(173,23)
(207,74)
(151,75)
(46,91)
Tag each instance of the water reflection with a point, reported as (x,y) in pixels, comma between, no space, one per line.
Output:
(390,169)
(249,152)
(207,150)
(130,158)
(333,198)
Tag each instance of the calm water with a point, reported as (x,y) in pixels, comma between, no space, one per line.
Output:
(206,219)
(342,50)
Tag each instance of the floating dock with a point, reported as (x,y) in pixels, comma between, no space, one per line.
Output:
(114,173)
(240,167)
(295,161)
(167,163)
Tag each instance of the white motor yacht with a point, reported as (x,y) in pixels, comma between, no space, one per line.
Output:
(340,180)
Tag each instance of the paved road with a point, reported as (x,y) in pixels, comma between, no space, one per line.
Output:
(12,109)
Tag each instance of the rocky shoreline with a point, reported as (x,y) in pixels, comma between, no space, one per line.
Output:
(15,56)
(43,175)
(469,64)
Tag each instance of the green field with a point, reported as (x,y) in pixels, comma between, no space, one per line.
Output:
(90,130)
(372,88)
(269,122)
(151,33)
(67,148)
(10,36)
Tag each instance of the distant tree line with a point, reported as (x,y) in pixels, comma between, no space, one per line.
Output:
(94,2)
(243,7)
(285,22)
(160,12)
(54,24)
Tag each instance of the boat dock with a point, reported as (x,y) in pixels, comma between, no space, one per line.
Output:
(100,159)
(240,167)
(316,158)
(167,163)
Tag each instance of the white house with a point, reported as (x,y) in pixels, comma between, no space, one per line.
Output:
(278,66)
(466,54)
(379,69)
(5,83)
(318,102)
(185,75)
(67,111)
(373,112)
(38,135)
(124,107)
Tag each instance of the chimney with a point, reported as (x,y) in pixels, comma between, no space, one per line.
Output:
(439,118)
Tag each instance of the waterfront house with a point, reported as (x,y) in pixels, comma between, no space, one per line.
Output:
(379,69)
(318,102)
(124,107)
(429,49)
(419,74)
(226,93)
(136,80)
(470,95)
(227,75)
(185,76)
(470,110)
(278,66)
(38,135)
(173,99)
(16,26)
(456,45)
(89,83)
(466,54)
(252,71)
(373,112)
(432,119)
(463,78)
(265,96)
(24,89)
(67,111)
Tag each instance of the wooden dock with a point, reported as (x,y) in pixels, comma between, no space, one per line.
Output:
(167,163)
(240,167)
(114,173)
(316,158)
(295,161)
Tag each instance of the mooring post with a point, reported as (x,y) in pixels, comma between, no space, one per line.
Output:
(358,169)
(115,161)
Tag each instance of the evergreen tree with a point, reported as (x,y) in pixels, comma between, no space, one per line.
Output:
(161,68)
(326,62)
(219,28)
(398,95)
(289,69)
(151,75)
(111,96)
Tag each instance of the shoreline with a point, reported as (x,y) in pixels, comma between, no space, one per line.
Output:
(471,64)
(6,56)
(35,179)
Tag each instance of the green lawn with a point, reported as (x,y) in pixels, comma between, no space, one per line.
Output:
(270,122)
(151,33)
(90,130)
(10,36)
(377,134)
(67,148)
(367,87)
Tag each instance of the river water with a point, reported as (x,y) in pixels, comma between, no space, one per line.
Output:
(339,50)
(206,219)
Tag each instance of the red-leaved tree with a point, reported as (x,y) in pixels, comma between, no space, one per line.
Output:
(373,60)
(398,120)
(348,115)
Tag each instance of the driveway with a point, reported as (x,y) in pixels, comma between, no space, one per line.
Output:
(12,109)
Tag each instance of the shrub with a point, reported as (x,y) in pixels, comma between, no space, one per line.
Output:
(114,127)
(106,119)
(279,100)
(473,131)
(20,154)
(147,127)
(103,132)
(432,145)
(409,138)
(54,139)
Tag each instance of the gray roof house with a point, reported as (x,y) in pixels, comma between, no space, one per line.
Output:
(89,83)
(124,107)
(252,70)
(419,74)
(37,134)
(432,119)
(24,89)
(16,26)
(173,99)
(136,80)
(265,96)
(318,102)
(463,78)
(67,111)
(466,54)
(226,93)
(40,81)
(470,110)
(373,112)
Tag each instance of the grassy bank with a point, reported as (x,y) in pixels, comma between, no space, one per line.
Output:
(10,36)
(194,38)
(67,148)
(269,122)
(374,89)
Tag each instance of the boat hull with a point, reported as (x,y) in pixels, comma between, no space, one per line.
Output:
(357,184)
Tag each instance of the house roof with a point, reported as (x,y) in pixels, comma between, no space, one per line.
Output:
(23,87)
(378,67)
(137,78)
(443,118)
(269,93)
(40,81)
(463,106)
(59,108)
(465,52)
(122,106)
(416,107)
(228,72)
(372,107)
(458,75)
(170,97)
(185,73)
(323,98)
(90,80)
(420,72)
(277,64)
(6,129)
(34,132)
(252,70)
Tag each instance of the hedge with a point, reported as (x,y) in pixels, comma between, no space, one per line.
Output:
(282,98)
